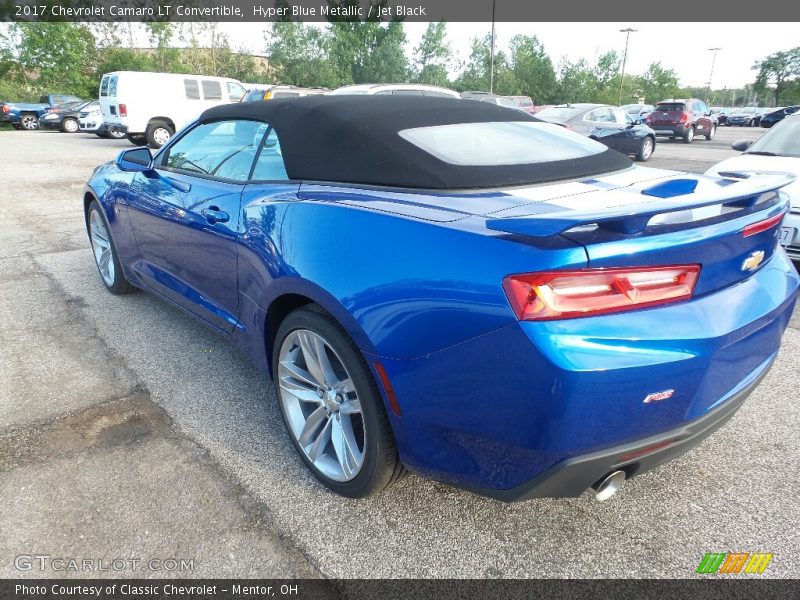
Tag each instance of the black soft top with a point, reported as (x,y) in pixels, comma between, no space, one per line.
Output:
(354,139)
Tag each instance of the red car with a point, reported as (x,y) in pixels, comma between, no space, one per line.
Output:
(682,119)
(524,102)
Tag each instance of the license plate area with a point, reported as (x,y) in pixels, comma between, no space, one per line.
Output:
(787,235)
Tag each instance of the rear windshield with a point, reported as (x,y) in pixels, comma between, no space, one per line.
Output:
(286,95)
(526,102)
(671,107)
(501,143)
(558,113)
(104,86)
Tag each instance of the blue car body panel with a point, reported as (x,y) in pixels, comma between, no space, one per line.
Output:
(415,278)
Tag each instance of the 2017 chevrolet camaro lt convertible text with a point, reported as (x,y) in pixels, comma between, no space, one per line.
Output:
(457,288)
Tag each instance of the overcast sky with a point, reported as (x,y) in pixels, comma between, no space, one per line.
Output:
(679,46)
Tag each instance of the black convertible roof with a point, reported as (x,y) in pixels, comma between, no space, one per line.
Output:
(354,139)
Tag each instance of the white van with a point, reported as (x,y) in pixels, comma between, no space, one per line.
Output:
(151,107)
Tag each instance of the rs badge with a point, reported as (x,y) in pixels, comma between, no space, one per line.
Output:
(751,262)
(656,396)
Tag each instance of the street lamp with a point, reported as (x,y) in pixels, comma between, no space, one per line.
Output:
(491,66)
(711,74)
(628,31)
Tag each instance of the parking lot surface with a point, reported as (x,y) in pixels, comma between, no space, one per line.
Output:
(128,429)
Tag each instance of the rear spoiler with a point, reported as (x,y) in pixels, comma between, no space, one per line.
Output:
(738,189)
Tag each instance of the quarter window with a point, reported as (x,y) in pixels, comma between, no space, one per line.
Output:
(270,166)
(221,150)
(212,90)
(192,89)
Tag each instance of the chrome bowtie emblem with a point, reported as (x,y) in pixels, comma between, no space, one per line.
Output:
(751,262)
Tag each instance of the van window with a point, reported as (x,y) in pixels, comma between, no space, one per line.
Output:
(221,150)
(112,86)
(235,91)
(192,89)
(269,166)
(212,90)
(104,86)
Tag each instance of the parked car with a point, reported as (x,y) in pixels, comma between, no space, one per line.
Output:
(524,102)
(394,89)
(777,150)
(273,92)
(769,119)
(25,115)
(638,112)
(64,118)
(604,123)
(682,119)
(150,107)
(492,99)
(518,310)
(90,120)
(748,116)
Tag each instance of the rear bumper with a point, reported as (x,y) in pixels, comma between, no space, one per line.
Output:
(668,130)
(574,476)
(504,413)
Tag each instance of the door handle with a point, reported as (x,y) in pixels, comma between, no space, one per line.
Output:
(214,215)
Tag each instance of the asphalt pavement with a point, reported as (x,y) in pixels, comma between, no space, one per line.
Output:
(128,429)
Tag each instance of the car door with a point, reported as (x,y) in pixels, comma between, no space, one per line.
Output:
(702,120)
(604,127)
(185,217)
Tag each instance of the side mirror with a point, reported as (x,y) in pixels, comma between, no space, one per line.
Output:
(741,145)
(137,159)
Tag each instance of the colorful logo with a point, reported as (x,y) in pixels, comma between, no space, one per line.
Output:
(735,562)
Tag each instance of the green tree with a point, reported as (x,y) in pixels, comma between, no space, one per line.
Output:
(782,69)
(533,70)
(62,57)
(476,73)
(657,83)
(166,58)
(606,76)
(301,55)
(576,81)
(433,56)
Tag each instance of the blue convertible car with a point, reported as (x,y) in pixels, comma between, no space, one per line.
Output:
(457,288)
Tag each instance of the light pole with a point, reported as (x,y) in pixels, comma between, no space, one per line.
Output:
(711,74)
(628,31)
(491,66)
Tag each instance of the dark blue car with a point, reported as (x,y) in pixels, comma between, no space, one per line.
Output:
(457,288)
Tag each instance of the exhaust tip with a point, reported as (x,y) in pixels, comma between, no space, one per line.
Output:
(609,485)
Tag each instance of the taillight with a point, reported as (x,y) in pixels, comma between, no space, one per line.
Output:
(683,118)
(760,226)
(123,110)
(6,109)
(590,292)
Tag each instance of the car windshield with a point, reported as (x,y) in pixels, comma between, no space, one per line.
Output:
(632,109)
(558,113)
(671,107)
(501,143)
(745,111)
(783,139)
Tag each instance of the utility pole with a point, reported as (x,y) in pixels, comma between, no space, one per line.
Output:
(711,74)
(491,66)
(628,31)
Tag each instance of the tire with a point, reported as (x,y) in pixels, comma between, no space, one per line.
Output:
(646,149)
(373,463)
(136,139)
(105,253)
(689,135)
(28,121)
(710,134)
(69,126)
(158,133)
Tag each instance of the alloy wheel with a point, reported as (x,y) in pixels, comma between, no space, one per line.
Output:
(70,126)
(29,122)
(101,247)
(321,405)
(647,149)
(161,135)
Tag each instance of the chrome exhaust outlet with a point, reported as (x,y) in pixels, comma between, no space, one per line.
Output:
(609,485)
